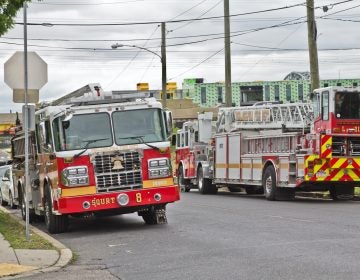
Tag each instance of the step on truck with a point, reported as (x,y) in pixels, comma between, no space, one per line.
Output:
(275,149)
(95,153)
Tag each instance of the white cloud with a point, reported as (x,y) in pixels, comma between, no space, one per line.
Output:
(118,69)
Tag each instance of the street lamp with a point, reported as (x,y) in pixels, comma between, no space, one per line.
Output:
(163,66)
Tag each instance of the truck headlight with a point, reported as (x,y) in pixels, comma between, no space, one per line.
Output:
(75,176)
(159,168)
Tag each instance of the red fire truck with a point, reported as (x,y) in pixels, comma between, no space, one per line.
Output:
(95,152)
(276,149)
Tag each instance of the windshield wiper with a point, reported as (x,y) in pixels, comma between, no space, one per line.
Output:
(141,140)
(88,142)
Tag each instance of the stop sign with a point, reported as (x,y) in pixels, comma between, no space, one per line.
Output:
(14,71)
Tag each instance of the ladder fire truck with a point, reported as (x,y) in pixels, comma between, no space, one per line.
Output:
(275,149)
(95,153)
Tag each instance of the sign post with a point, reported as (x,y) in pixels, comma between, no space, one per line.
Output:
(25,90)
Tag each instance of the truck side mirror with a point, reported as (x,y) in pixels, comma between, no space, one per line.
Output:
(169,122)
(173,140)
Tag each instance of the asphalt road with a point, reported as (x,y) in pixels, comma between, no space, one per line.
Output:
(227,236)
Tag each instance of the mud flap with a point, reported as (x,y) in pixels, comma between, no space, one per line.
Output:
(160,216)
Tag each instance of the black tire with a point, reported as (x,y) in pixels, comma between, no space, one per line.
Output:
(204,185)
(183,184)
(11,201)
(342,193)
(154,216)
(2,201)
(22,204)
(54,223)
(250,190)
(232,189)
(269,183)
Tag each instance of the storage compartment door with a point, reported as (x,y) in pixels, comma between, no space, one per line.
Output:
(220,156)
(234,157)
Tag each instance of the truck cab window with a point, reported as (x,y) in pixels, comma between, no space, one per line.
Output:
(316,104)
(325,105)
(44,138)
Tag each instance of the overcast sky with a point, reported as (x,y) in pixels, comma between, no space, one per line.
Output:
(261,42)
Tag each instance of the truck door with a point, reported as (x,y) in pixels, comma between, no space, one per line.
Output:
(46,160)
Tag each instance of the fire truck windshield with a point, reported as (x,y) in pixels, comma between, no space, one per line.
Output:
(347,105)
(82,131)
(147,123)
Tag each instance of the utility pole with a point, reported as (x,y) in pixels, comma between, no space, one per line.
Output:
(163,63)
(312,37)
(228,94)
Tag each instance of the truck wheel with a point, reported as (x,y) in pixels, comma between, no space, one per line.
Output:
(269,183)
(232,189)
(184,187)
(11,201)
(154,216)
(342,192)
(54,223)
(250,190)
(2,202)
(22,204)
(205,186)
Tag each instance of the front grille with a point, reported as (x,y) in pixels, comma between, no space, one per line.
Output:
(354,146)
(117,171)
(349,146)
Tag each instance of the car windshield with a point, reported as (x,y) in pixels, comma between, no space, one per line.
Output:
(347,105)
(138,126)
(82,131)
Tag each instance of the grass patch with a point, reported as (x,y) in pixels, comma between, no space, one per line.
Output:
(74,258)
(357,191)
(15,234)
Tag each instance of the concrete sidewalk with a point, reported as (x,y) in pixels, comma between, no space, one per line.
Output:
(15,263)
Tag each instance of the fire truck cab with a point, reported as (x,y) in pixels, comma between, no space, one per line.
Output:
(277,149)
(95,152)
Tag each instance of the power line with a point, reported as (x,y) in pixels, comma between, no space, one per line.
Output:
(158,22)
(341,19)
(198,64)
(86,4)
(204,13)
(132,59)
(188,10)
(175,21)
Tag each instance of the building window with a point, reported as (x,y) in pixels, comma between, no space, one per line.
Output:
(338,84)
(288,92)
(277,92)
(326,85)
(355,84)
(220,94)
(267,93)
(300,91)
(203,95)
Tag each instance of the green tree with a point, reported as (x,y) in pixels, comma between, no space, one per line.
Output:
(8,10)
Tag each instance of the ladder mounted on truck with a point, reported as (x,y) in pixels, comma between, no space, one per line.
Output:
(289,117)
(94,94)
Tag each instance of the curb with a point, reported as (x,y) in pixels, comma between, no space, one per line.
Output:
(65,254)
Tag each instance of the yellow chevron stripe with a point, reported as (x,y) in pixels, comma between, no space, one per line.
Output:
(352,174)
(323,146)
(339,162)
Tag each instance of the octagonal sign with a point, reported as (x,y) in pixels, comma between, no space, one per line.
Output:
(14,71)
